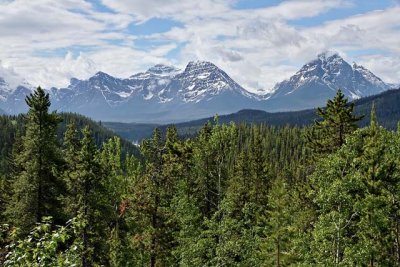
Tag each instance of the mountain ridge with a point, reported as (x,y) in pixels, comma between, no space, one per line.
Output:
(319,80)
(165,93)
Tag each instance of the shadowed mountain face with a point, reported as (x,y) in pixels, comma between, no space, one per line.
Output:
(165,94)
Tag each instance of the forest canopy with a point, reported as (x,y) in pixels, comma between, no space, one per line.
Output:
(233,195)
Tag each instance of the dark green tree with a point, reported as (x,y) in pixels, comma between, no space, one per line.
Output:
(338,120)
(37,185)
(92,202)
(151,206)
(71,148)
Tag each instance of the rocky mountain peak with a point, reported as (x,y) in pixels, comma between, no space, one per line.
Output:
(102,75)
(201,89)
(196,66)
(330,72)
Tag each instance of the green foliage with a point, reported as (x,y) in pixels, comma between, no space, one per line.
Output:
(233,195)
(337,122)
(37,182)
(358,201)
(45,246)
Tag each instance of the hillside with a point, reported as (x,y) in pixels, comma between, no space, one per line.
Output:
(12,126)
(387,105)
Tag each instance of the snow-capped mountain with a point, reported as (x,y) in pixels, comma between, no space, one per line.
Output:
(161,92)
(12,98)
(203,80)
(319,80)
(168,94)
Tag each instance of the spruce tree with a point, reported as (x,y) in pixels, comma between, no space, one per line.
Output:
(277,245)
(92,202)
(150,207)
(237,241)
(37,187)
(70,152)
(337,122)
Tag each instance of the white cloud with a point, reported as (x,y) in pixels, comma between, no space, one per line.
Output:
(385,67)
(272,49)
(143,10)
(59,71)
(125,61)
(257,47)
(10,76)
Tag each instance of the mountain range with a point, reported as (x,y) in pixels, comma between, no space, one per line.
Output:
(164,94)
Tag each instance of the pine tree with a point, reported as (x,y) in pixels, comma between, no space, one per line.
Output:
(86,194)
(71,153)
(91,201)
(187,217)
(279,230)
(337,122)
(150,206)
(235,222)
(37,184)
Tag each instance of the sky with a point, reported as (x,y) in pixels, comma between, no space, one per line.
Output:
(256,42)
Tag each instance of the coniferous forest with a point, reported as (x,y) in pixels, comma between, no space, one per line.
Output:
(233,195)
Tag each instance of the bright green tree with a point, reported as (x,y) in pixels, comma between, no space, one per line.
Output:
(356,192)
(277,246)
(236,220)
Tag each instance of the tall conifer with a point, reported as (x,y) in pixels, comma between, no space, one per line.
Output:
(338,120)
(37,184)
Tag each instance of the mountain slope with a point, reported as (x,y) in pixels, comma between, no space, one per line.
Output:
(11,125)
(387,105)
(165,94)
(12,97)
(319,80)
(161,93)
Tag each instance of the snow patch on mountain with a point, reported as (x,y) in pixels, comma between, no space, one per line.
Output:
(200,89)
(332,72)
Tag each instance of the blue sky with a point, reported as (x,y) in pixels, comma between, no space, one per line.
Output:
(257,42)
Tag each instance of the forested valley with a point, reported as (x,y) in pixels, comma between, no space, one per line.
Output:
(233,195)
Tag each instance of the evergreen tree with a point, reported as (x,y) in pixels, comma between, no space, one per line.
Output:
(357,200)
(37,185)
(337,122)
(150,207)
(86,195)
(187,216)
(237,242)
(71,153)
(91,202)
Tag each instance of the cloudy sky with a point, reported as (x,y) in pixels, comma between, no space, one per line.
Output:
(257,42)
